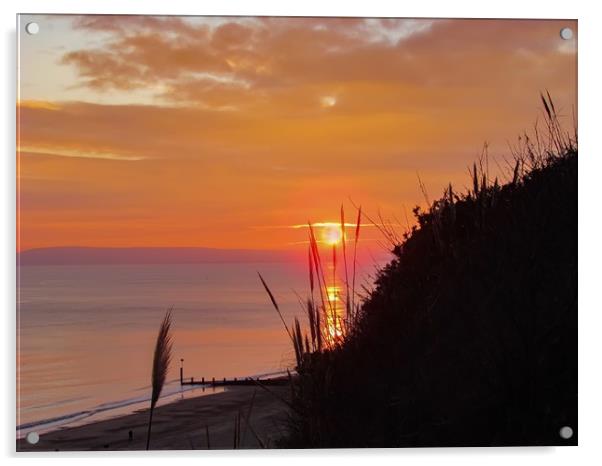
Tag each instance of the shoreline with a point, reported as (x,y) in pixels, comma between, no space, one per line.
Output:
(110,410)
(181,425)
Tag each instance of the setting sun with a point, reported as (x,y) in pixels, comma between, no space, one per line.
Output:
(332,234)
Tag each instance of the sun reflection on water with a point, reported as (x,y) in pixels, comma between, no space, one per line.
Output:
(334,316)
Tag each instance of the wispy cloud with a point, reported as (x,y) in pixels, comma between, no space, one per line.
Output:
(329,225)
(38,104)
(54,152)
(316,225)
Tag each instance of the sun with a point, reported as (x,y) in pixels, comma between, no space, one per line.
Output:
(332,234)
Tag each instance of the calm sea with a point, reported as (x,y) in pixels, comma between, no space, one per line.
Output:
(86,333)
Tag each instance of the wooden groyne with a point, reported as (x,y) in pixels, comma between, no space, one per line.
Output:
(235,381)
(223,382)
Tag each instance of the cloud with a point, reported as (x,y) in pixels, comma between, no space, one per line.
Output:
(34,151)
(263,54)
(210,61)
(394,30)
(41,104)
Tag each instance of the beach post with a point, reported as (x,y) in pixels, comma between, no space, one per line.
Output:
(202,380)
(181,371)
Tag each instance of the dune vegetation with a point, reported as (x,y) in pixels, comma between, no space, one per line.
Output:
(469,337)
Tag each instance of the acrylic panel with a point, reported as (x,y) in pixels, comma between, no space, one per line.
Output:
(270,232)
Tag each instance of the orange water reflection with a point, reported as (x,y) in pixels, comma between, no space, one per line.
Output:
(336,298)
(334,315)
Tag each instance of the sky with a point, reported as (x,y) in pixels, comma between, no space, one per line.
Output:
(228,132)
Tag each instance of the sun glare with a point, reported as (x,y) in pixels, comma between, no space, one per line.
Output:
(333,293)
(331,234)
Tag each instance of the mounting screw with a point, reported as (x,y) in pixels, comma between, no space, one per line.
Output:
(566,432)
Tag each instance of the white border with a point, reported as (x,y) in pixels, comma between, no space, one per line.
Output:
(590,173)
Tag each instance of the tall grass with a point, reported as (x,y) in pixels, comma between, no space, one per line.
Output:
(325,327)
(161,360)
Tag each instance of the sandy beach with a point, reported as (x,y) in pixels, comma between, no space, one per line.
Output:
(182,425)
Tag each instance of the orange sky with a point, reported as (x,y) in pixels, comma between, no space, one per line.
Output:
(222,132)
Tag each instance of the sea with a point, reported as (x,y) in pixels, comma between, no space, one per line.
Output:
(86,333)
